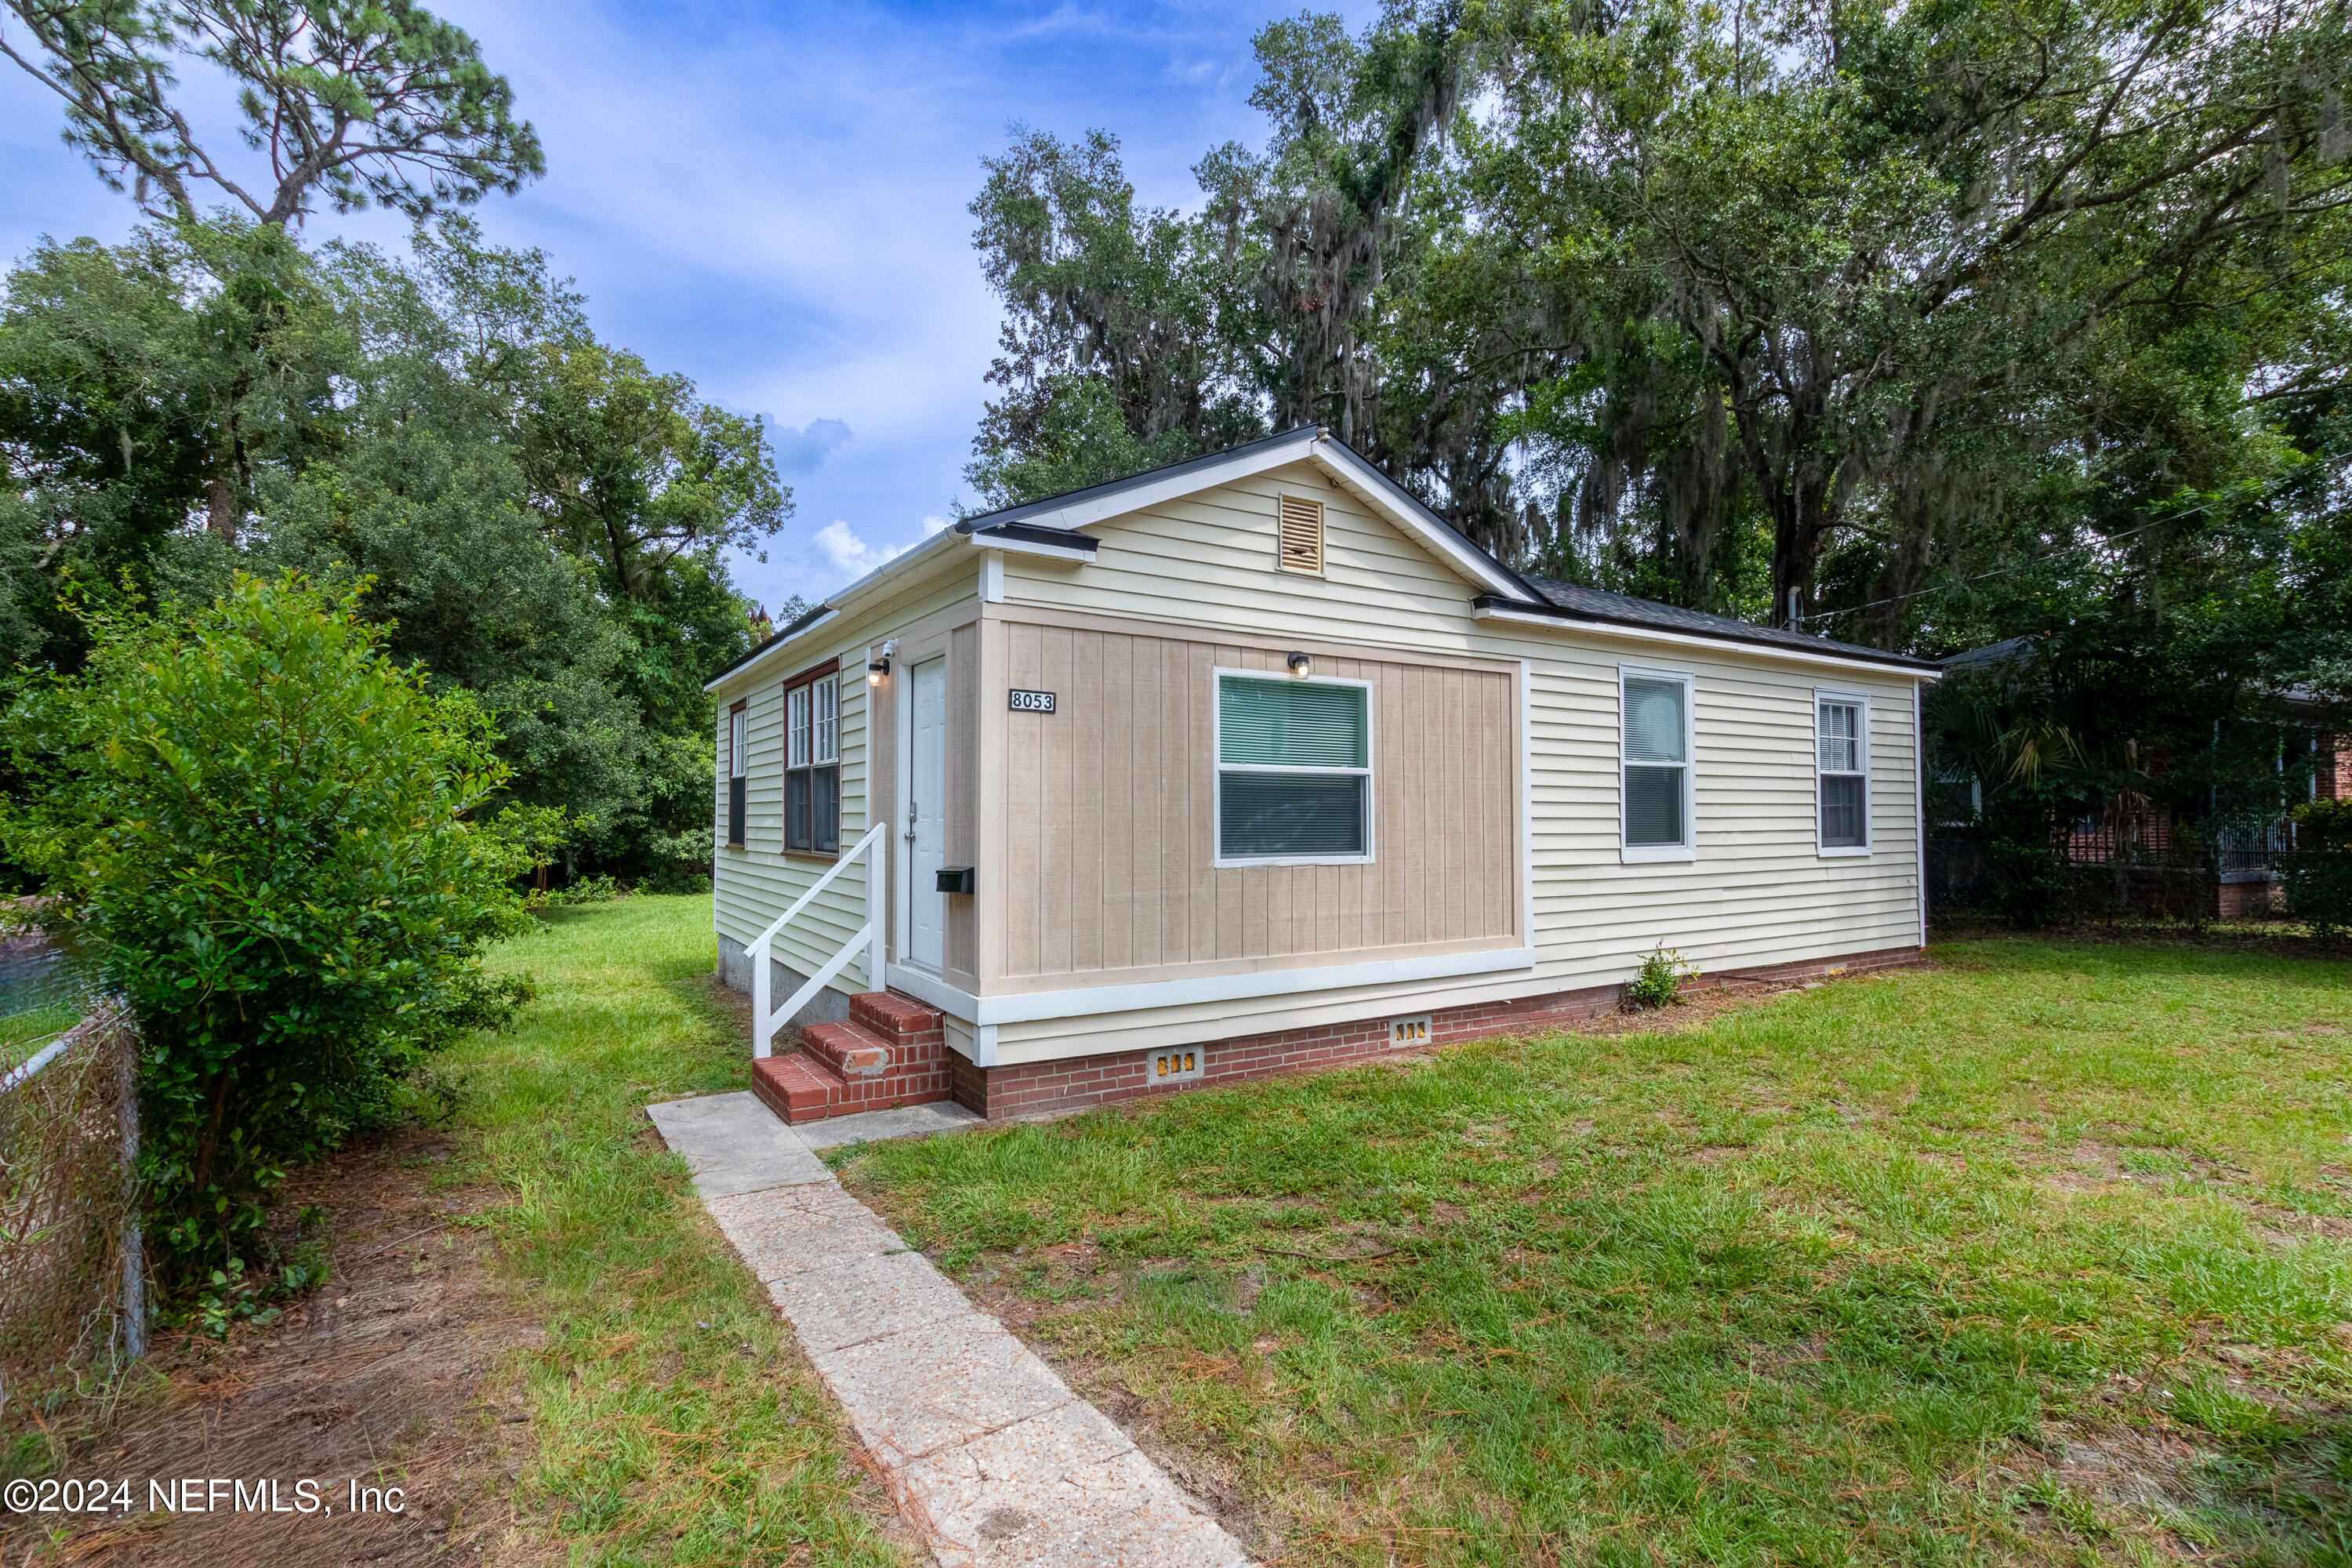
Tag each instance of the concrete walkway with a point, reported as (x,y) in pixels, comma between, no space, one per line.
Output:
(994,1460)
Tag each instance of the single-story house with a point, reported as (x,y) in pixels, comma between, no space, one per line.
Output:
(1253,762)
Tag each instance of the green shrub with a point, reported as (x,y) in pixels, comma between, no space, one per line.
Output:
(262,825)
(2319,881)
(2028,886)
(1660,981)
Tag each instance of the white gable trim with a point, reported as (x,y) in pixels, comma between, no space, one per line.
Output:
(1355,475)
(1371,486)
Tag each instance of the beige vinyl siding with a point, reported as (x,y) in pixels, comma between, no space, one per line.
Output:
(751,886)
(1208,560)
(1756,893)
(1106,815)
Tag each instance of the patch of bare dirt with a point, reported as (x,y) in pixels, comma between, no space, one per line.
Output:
(391,1374)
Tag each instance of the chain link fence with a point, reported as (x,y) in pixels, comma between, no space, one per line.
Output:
(72,1272)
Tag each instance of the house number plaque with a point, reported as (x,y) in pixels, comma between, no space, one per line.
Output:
(1032,701)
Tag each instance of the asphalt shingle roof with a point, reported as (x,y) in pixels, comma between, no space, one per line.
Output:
(1594,604)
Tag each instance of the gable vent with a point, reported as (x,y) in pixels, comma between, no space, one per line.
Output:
(1302,534)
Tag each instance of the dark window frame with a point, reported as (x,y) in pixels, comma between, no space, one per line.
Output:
(811,788)
(739,770)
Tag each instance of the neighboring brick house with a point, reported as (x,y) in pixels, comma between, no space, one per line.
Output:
(2246,879)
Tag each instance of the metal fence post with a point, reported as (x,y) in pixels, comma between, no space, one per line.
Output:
(134,1259)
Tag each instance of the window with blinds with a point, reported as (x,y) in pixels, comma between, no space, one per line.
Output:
(1301,547)
(1842,747)
(1294,770)
(1655,741)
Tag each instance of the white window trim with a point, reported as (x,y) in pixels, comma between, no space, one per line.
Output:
(1218,860)
(1659,854)
(1861,754)
(800,706)
(825,733)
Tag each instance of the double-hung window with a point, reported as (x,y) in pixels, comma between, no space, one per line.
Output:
(1842,761)
(812,764)
(1293,771)
(1654,743)
(739,728)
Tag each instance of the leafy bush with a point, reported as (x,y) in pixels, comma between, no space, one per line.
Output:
(2028,884)
(2319,882)
(262,825)
(1660,983)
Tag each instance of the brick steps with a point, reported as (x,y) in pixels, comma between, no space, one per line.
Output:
(892,1051)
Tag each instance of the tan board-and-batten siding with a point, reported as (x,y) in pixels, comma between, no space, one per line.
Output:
(1106,815)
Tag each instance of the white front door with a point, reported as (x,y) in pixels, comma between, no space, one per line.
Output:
(926,812)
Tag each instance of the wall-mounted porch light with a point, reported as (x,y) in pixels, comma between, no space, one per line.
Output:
(878,669)
(1301,666)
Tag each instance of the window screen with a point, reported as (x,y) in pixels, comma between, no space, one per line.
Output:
(1845,776)
(1656,761)
(1294,769)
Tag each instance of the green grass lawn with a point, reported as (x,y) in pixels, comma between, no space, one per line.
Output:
(2041,1254)
(673,1420)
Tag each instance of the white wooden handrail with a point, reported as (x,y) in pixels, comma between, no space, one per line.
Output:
(869,936)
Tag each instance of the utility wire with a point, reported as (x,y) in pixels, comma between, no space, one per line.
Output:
(2068,550)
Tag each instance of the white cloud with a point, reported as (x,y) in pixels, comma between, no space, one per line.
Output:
(850,555)
(798,451)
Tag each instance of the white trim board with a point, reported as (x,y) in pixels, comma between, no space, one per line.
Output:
(1082,1001)
(1860,700)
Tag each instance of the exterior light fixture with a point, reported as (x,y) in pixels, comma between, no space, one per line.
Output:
(1301,666)
(878,669)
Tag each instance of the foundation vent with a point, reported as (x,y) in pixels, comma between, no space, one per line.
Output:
(1413,1031)
(1179,1066)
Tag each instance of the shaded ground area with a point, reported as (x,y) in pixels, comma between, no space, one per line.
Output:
(533,1325)
(398,1372)
(2040,1255)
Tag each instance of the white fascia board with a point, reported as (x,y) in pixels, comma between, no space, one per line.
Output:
(927,553)
(1719,645)
(1031,547)
(797,639)
(1368,485)
(1240,465)
(1085,1000)
(1354,475)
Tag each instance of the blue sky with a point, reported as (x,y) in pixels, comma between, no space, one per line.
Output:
(771,199)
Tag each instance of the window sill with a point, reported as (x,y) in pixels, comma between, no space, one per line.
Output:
(731,845)
(821,857)
(1843,851)
(1228,863)
(1656,854)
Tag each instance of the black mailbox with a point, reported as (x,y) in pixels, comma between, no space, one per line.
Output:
(954,879)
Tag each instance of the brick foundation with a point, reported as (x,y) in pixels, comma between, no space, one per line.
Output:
(1073,1083)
